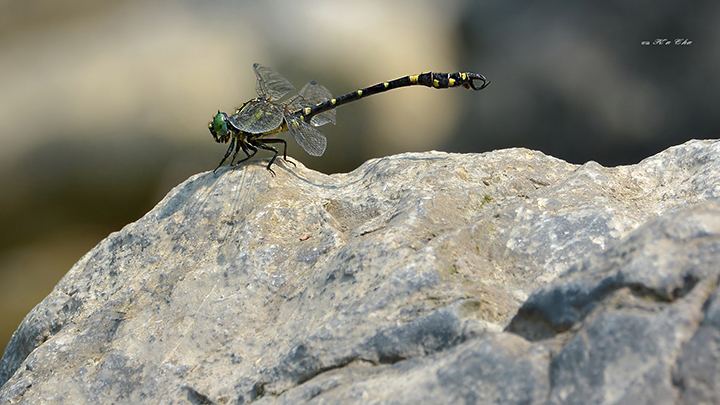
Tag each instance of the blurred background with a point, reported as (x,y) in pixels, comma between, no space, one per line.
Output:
(104,105)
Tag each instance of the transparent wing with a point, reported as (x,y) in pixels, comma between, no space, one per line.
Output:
(257,116)
(311,95)
(309,138)
(270,84)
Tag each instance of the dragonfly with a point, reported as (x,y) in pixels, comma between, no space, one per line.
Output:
(254,124)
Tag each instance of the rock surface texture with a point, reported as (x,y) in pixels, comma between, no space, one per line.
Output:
(508,276)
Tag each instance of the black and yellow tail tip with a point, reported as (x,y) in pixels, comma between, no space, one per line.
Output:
(476,76)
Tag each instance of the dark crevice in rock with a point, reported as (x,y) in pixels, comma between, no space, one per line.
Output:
(307,377)
(197,398)
(689,282)
(337,366)
(550,312)
(642,291)
(693,373)
(531,325)
(258,391)
(435,332)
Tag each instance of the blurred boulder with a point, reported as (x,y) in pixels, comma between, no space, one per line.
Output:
(508,276)
(587,81)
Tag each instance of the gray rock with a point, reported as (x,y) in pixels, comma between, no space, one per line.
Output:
(698,373)
(508,276)
(632,308)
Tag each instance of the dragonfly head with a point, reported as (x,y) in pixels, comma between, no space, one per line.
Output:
(219,128)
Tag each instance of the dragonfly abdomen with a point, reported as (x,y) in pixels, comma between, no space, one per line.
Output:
(429,79)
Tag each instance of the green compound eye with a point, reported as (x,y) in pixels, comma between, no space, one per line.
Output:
(219,123)
(218,127)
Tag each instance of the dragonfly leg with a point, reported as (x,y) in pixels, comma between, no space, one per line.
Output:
(246,147)
(262,145)
(232,145)
(282,141)
(237,149)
